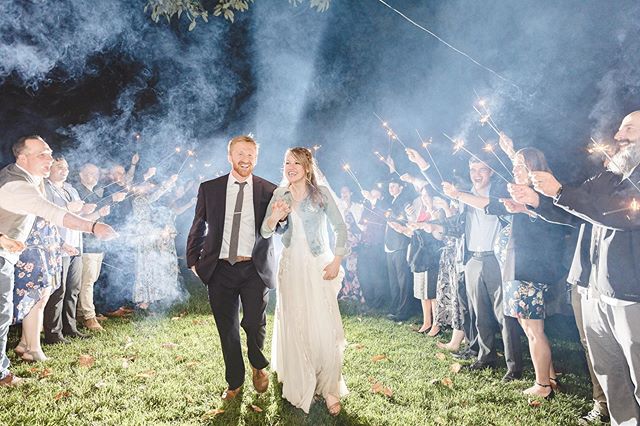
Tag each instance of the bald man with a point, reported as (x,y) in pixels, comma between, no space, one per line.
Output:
(611,309)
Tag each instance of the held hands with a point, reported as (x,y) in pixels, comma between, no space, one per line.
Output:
(331,270)
(523,194)
(151,171)
(104,211)
(406,177)
(280,210)
(416,158)
(545,183)
(450,190)
(11,245)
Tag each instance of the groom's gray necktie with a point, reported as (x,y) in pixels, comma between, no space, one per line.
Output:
(235,226)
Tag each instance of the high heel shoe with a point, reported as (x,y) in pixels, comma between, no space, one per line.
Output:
(551,394)
(555,383)
(34,356)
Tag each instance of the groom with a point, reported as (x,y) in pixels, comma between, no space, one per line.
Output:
(226,251)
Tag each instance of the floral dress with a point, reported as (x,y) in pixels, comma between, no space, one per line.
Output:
(351,284)
(38,268)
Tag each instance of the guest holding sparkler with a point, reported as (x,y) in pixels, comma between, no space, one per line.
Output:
(612,308)
(371,256)
(484,234)
(396,244)
(21,199)
(352,214)
(60,311)
(156,263)
(423,257)
(532,267)
(93,252)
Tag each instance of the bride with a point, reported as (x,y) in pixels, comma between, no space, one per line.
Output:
(308,338)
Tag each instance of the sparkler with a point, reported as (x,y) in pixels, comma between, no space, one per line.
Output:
(425,145)
(350,172)
(381,158)
(177,150)
(459,145)
(490,148)
(634,207)
(189,155)
(598,147)
(392,135)
(368,222)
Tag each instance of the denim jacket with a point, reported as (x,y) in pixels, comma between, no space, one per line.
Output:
(312,217)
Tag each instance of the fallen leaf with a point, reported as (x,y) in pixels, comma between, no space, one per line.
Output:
(45,373)
(34,370)
(180,358)
(191,364)
(377,358)
(169,345)
(62,394)
(128,343)
(212,413)
(434,381)
(441,356)
(85,360)
(256,409)
(125,363)
(360,346)
(175,318)
(100,384)
(376,387)
(146,374)
(197,322)
(455,367)
(359,319)
(447,382)
(535,403)
(182,314)
(387,392)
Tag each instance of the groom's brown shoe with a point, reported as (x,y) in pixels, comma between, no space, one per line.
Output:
(230,394)
(260,380)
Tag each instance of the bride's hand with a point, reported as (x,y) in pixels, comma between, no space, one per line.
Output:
(331,270)
(280,210)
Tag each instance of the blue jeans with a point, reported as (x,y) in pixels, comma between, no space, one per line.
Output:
(6,311)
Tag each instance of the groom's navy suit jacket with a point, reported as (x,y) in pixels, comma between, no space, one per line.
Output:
(205,236)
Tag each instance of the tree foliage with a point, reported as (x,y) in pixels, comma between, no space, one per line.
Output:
(194,9)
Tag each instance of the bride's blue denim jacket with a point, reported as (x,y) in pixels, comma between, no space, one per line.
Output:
(312,217)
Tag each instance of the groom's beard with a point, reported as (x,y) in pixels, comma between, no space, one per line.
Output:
(625,160)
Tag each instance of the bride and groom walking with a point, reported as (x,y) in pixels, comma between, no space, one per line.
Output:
(231,250)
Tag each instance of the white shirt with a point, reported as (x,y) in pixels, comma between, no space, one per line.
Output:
(481,229)
(247,235)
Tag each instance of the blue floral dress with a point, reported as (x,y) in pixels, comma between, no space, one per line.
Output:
(38,268)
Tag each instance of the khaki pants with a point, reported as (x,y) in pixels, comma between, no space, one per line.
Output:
(91,264)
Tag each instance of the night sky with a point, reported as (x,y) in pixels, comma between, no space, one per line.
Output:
(88,76)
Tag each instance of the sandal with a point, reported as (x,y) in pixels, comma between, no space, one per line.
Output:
(548,397)
(555,383)
(333,408)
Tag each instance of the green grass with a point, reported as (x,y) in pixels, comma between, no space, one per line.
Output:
(169,370)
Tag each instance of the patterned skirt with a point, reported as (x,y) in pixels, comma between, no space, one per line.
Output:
(524,299)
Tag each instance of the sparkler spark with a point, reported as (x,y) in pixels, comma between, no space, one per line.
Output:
(634,207)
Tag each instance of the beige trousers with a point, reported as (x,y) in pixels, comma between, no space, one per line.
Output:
(91,264)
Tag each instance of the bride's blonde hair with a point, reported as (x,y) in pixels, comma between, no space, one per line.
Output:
(306,160)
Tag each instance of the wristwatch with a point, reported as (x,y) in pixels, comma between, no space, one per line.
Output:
(555,197)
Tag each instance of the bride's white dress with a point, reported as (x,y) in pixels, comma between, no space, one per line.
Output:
(308,338)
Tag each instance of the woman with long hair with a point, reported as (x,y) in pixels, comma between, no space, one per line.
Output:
(531,269)
(308,338)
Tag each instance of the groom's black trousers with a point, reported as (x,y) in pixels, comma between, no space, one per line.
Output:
(231,285)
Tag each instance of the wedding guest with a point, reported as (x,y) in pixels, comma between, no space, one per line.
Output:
(308,337)
(373,275)
(21,199)
(37,274)
(60,312)
(93,251)
(352,214)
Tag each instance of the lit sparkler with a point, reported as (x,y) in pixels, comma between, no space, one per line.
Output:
(491,148)
(381,158)
(425,145)
(459,145)
(634,207)
(392,135)
(353,176)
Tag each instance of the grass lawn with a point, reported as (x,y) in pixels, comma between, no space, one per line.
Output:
(168,370)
